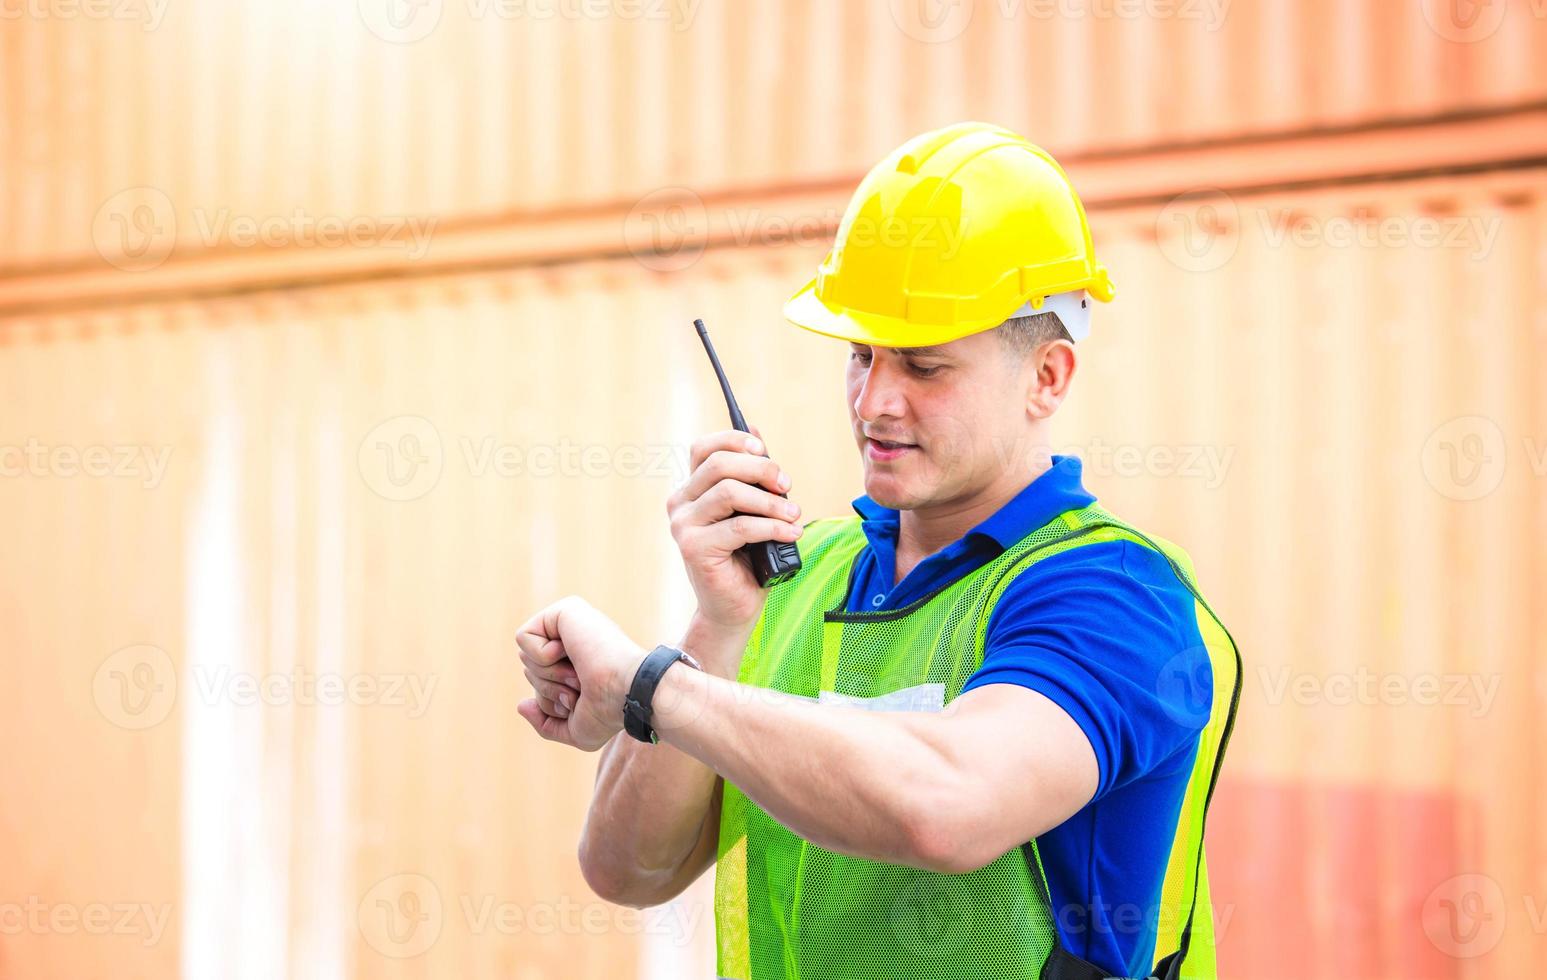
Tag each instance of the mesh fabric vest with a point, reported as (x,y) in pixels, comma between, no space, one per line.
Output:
(786,908)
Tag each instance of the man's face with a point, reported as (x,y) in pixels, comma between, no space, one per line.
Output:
(937,424)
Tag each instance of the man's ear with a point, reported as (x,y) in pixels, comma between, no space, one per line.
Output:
(1056,363)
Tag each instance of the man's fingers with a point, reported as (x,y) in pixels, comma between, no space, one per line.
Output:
(550,708)
(728,535)
(562,672)
(725,465)
(557,699)
(549,697)
(537,647)
(730,497)
(539,637)
(728,439)
(551,728)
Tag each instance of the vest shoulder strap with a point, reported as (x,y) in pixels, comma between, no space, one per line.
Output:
(1091,525)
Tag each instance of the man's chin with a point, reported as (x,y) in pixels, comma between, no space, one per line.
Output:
(888,491)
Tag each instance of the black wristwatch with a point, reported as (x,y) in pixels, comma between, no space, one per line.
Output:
(637,705)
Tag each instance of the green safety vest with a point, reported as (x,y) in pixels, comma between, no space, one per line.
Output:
(787,908)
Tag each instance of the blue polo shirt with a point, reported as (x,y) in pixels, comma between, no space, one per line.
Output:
(1091,629)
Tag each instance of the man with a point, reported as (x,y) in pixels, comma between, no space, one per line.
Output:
(975,735)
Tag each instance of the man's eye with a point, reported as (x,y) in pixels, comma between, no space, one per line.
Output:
(926,372)
(862,356)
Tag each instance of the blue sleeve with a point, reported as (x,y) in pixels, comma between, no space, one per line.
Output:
(1103,630)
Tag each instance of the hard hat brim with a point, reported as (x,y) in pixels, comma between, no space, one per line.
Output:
(807,311)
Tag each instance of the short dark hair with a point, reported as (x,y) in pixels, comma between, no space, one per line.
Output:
(1024,334)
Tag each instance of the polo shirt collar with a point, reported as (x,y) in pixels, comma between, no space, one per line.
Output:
(1058,489)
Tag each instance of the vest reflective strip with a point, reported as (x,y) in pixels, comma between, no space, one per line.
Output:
(920,697)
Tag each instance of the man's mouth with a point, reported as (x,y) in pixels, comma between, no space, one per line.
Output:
(883,450)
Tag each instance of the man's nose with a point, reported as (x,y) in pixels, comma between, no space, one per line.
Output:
(880,394)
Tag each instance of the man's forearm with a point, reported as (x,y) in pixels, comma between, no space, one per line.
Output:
(861,783)
(645,820)
(718,648)
(651,802)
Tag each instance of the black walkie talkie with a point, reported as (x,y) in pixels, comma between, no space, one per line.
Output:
(772,561)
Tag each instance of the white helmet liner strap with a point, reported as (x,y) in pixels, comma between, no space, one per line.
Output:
(1073,309)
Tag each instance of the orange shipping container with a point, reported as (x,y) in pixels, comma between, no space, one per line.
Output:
(1331,397)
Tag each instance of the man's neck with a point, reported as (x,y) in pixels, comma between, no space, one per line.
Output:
(923,531)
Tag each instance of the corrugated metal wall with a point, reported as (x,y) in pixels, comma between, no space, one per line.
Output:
(481,107)
(382,481)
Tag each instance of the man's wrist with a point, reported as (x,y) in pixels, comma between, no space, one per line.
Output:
(718,647)
(640,702)
(679,700)
(619,681)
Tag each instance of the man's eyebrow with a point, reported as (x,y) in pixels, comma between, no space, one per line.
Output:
(934,350)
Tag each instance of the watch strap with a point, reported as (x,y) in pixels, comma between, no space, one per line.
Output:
(638,703)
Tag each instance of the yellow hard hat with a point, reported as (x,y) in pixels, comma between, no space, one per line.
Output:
(953,233)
